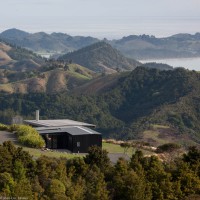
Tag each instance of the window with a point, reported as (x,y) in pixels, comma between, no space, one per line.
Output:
(78,144)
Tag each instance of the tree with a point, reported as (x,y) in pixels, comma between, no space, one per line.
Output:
(96,187)
(127,184)
(19,172)
(160,180)
(56,189)
(7,185)
(126,146)
(5,160)
(99,157)
(193,155)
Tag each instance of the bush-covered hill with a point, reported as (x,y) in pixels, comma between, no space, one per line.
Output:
(101,57)
(140,100)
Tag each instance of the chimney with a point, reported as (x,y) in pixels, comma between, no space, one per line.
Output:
(37,115)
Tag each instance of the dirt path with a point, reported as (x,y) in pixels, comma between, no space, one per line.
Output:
(7,136)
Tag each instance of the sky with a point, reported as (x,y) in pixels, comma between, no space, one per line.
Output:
(102,18)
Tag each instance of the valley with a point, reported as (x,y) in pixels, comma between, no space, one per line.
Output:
(100,100)
(99,85)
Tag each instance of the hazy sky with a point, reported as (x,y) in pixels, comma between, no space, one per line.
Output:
(102,18)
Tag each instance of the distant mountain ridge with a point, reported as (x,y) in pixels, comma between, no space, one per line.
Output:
(150,47)
(43,42)
(132,46)
(101,57)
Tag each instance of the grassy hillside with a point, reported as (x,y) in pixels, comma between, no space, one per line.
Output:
(101,57)
(22,71)
(18,59)
(51,81)
(100,84)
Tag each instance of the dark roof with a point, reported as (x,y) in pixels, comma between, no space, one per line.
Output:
(72,130)
(57,123)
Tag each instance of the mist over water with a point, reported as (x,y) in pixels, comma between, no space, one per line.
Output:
(111,27)
(188,63)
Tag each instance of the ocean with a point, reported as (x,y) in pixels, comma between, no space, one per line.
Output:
(188,63)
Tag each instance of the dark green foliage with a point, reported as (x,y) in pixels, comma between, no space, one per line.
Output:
(193,155)
(5,160)
(7,184)
(95,185)
(97,156)
(168,147)
(141,178)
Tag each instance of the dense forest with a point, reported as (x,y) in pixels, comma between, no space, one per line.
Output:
(94,177)
(143,97)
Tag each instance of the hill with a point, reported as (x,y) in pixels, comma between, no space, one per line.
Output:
(100,84)
(145,104)
(18,59)
(101,57)
(105,83)
(51,81)
(150,47)
(46,43)
(22,71)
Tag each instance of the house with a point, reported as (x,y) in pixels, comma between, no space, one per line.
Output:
(72,135)
(77,139)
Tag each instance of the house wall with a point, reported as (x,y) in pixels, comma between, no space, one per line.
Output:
(74,143)
(81,143)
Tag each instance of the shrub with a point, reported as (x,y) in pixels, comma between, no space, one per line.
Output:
(13,127)
(29,136)
(168,147)
(3,127)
